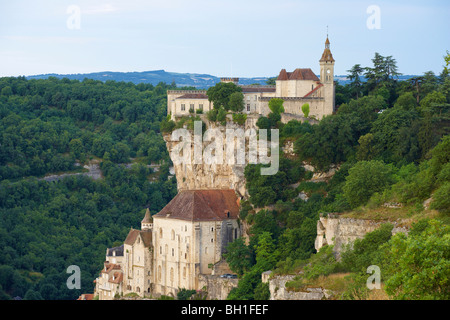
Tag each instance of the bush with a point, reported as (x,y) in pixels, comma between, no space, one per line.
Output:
(364,179)
(239,118)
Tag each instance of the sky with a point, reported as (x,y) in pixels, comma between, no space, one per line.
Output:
(238,38)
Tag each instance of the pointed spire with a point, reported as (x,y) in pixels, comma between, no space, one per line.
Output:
(326,55)
(147,218)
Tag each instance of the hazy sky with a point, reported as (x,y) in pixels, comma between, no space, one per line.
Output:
(245,38)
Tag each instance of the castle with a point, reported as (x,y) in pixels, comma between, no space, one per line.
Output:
(295,88)
(184,243)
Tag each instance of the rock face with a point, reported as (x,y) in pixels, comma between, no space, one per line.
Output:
(218,288)
(192,176)
(338,231)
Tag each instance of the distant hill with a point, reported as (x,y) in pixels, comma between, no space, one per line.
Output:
(200,81)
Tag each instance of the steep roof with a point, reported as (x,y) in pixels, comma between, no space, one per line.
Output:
(133,234)
(326,55)
(147,217)
(118,277)
(298,74)
(202,205)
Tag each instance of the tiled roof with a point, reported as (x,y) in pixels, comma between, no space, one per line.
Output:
(298,74)
(314,90)
(193,96)
(148,217)
(258,89)
(326,55)
(117,250)
(109,267)
(202,205)
(133,234)
(118,278)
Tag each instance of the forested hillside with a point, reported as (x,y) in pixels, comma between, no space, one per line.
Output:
(389,142)
(46,126)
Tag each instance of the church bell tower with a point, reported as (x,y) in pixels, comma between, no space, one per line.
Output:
(327,78)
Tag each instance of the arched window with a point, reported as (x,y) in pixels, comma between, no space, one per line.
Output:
(160,232)
(172,235)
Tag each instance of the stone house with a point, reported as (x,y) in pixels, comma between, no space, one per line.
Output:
(295,88)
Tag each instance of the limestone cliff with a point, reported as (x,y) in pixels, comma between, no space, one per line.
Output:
(211,176)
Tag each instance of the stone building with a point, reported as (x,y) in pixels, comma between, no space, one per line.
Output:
(184,240)
(190,235)
(110,281)
(296,88)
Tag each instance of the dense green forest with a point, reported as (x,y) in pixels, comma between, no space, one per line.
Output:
(388,142)
(45,127)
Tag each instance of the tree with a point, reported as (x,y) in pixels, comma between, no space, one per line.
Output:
(238,256)
(276,105)
(364,179)
(406,101)
(305,110)
(220,94)
(417,266)
(354,76)
(236,102)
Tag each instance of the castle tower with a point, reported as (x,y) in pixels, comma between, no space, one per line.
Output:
(147,222)
(327,78)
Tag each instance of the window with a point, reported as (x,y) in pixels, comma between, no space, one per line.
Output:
(173,252)
(248,106)
(212,229)
(192,106)
(173,235)
(212,240)
(160,233)
(183,107)
(200,106)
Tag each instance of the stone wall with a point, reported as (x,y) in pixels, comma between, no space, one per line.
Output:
(218,288)
(338,231)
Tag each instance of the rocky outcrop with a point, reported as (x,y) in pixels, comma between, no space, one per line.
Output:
(191,176)
(278,291)
(338,231)
(218,288)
